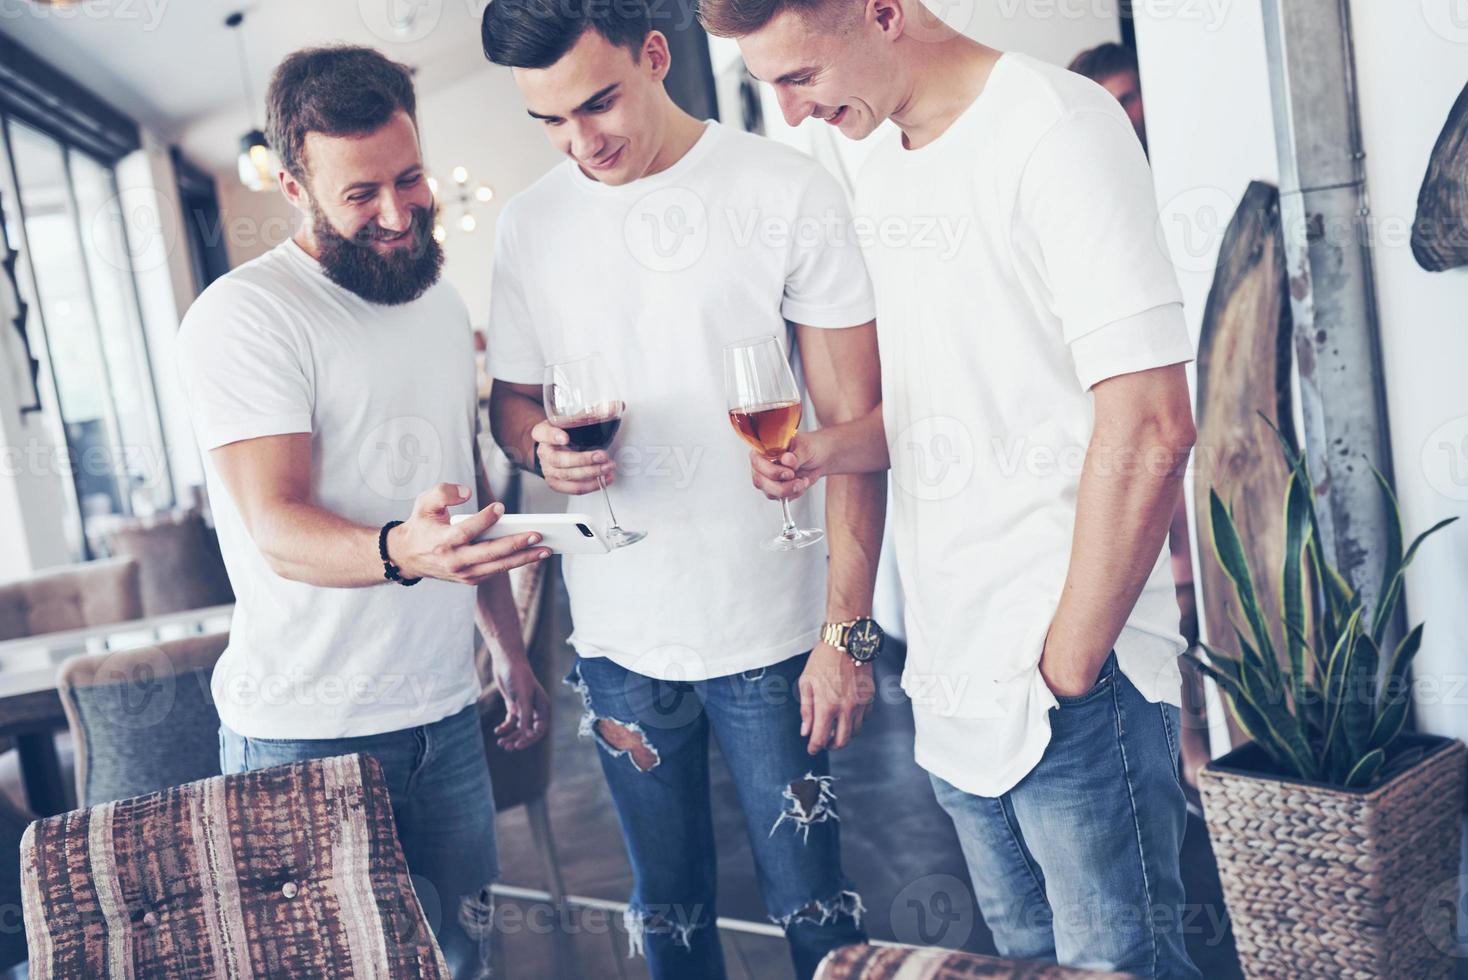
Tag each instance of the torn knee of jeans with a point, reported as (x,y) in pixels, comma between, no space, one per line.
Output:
(642,922)
(476,917)
(617,738)
(846,903)
(808,801)
(627,738)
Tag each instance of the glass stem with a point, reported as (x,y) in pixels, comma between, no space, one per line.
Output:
(611,514)
(788,531)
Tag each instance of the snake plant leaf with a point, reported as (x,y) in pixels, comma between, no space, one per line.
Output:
(1395,696)
(1244,712)
(1365,770)
(1229,549)
(1392,590)
(1292,597)
(1336,671)
(1358,713)
(1391,559)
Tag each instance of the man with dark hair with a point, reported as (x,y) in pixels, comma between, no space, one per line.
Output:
(661,239)
(1038,418)
(331,382)
(1114,67)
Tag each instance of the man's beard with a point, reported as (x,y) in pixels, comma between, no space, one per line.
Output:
(399,276)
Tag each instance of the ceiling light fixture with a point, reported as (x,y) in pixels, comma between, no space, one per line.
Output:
(256,163)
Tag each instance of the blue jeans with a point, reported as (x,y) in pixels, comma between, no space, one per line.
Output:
(654,737)
(1079,862)
(443,807)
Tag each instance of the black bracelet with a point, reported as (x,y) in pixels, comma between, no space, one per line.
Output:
(391,571)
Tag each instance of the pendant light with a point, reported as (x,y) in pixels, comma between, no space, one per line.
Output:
(256,163)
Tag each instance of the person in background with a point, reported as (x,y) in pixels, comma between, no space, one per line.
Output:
(1114,67)
(331,383)
(660,239)
(1037,421)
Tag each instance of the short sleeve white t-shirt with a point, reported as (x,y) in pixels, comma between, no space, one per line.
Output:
(1017,265)
(732,241)
(388,396)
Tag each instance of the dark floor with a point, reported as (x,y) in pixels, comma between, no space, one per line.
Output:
(899,848)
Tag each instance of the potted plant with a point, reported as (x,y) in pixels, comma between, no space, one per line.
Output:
(1336,833)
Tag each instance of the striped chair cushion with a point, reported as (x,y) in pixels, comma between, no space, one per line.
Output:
(926,963)
(294,871)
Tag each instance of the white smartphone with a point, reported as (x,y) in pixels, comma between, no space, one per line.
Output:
(564,534)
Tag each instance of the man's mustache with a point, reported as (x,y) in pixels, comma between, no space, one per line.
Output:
(421,225)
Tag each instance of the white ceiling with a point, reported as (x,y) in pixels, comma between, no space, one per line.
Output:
(174,67)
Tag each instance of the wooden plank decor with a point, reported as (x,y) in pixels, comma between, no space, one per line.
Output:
(1440,231)
(1244,364)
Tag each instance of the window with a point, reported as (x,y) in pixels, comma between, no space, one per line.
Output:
(63,215)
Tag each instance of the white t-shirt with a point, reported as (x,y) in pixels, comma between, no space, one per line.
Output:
(387,393)
(730,242)
(1016,263)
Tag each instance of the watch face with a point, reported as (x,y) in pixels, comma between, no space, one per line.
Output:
(864,641)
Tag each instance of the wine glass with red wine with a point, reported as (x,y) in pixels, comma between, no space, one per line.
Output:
(764,408)
(581,398)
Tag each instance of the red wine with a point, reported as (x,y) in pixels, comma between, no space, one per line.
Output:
(589,434)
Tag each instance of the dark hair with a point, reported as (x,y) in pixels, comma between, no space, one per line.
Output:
(1104,60)
(740,18)
(339,91)
(537,33)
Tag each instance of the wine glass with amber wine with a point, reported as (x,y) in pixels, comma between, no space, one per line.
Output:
(764,408)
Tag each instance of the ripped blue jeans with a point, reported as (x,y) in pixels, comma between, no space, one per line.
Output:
(653,738)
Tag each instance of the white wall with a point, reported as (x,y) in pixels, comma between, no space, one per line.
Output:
(1424,328)
(479,123)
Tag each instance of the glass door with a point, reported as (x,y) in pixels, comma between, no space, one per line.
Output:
(86,326)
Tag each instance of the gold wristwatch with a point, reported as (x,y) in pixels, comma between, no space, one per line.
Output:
(860,639)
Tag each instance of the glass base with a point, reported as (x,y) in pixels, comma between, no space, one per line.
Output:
(618,537)
(795,540)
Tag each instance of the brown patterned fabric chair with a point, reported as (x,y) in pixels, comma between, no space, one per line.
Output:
(92,593)
(929,963)
(294,871)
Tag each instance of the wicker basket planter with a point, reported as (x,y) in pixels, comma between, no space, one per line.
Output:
(1326,882)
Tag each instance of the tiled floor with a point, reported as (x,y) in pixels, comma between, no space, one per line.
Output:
(898,845)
